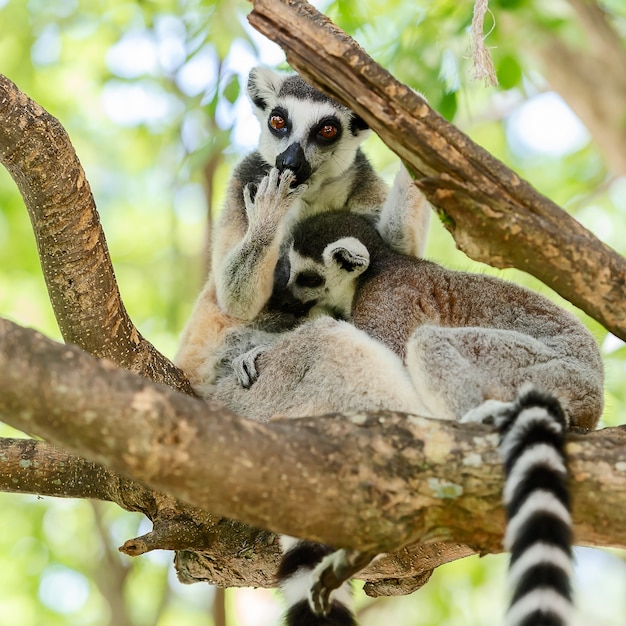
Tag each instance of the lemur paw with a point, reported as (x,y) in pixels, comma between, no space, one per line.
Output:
(274,196)
(330,573)
(489,412)
(319,598)
(244,366)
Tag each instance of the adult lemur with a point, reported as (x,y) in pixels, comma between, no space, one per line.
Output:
(311,143)
(308,162)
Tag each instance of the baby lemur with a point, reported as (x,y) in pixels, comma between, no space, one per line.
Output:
(465,338)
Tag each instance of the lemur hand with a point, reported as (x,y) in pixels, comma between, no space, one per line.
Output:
(488,412)
(244,366)
(274,196)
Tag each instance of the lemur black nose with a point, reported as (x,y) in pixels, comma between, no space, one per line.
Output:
(293,159)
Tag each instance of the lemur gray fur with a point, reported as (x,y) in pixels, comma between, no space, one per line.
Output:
(308,162)
(305,132)
(466,338)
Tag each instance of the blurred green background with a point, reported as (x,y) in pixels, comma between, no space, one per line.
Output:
(153,97)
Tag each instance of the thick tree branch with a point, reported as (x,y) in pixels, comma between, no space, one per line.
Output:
(369,482)
(246,556)
(493,215)
(75,260)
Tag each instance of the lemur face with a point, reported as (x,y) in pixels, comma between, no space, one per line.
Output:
(328,286)
(301,128)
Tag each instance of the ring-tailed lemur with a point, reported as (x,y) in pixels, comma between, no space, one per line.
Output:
(305,132)
(466,338)
(308,162)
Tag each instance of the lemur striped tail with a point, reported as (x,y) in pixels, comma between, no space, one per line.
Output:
(536,497)
(303,565)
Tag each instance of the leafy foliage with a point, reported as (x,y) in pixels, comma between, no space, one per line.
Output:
(152,94)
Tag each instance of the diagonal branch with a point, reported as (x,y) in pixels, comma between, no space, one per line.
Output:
(493,215)
(596,91)
(75,260)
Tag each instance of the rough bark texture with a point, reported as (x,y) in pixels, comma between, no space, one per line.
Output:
(37,152)
(493,215)
(371,482)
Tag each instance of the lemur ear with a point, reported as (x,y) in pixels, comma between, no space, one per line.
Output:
(358,125)
(263,86)
(348,254)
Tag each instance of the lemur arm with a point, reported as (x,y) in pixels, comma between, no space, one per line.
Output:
(244,226)
(244,260)
(405,216)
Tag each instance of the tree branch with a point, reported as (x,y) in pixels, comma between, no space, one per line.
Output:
(493,215)
(596,91)
(164,439)
(75,260)
(369,482)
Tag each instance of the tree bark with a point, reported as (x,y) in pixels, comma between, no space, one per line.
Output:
(370,482)
(493,215)
(37,152)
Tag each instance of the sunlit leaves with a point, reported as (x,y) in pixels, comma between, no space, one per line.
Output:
(152,94)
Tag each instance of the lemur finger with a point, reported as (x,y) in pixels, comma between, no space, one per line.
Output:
(286,179)
(274,178)
(244,366)
(332,572)
(489,412)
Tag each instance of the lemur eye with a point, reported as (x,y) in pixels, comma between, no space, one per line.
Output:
(309,279)
(328,131)
(277,122)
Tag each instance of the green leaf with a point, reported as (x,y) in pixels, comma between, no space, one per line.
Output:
(448,105)
(232,89)
(509,72)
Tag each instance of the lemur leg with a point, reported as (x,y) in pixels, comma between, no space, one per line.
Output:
(405,216)
(245,280)
(323,366)
(455,370)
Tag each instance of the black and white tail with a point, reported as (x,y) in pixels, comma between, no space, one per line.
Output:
(314,580)
(536,497)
